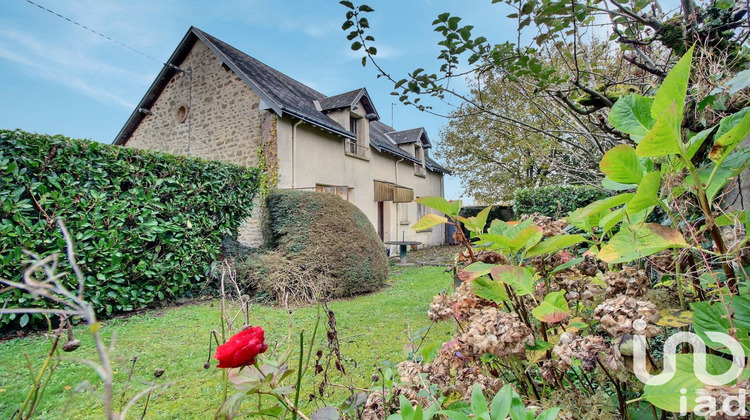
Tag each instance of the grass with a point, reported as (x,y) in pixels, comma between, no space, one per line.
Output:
(372,329)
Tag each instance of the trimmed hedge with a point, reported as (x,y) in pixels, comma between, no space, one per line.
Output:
(555,201)
(146,225)
(322,245)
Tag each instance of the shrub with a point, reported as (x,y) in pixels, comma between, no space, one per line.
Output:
(321,245)
(146,225)
(555,201)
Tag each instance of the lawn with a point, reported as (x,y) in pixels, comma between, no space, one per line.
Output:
(373,329)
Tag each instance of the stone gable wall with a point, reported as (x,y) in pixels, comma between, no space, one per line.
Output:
(223,123)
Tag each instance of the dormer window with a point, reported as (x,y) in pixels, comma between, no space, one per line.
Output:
(357,146)
(418,153)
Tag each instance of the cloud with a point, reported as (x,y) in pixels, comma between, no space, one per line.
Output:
(385,52)
(71,68)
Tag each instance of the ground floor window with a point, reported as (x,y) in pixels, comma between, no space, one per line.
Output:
(421,211)
(339,190)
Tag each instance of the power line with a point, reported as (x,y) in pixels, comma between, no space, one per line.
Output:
(95,32)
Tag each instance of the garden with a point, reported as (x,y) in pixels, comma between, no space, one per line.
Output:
(624,301)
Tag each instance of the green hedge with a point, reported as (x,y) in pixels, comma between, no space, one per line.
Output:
(146,225)
(554,201)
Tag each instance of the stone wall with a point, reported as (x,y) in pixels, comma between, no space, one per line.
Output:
(222,122)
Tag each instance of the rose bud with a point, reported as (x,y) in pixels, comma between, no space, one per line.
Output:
(71,345)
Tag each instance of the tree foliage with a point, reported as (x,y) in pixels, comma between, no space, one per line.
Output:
(569,78)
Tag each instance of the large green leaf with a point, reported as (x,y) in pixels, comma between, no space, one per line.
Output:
(640,241)
(669,396)
(476,224)
(610,220)
(554,244)
(509,229)
(549,414)
(741,307)
(695,142)
(586,223)
(494,241)
(730,167)
(708,317)
(450,208)
(621,164)
(489,289)
(500,405)
(616,186)
(607,203)
(478,402)
(740,81)
(729,140)
(428,221)
(674,87)
(554,308)
(647,194)
(519,278)
(527,238)
(631,114)
(665,137)
(476,270)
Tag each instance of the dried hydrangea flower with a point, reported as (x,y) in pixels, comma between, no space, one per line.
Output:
(628,281)
(586,349)
(625,315)
(500,333)
(550,226)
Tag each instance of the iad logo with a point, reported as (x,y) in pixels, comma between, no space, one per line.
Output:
(699,358)
(705,404)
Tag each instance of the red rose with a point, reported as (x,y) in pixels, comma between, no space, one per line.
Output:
(241,348)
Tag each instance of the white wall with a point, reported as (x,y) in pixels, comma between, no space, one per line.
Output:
(318,157)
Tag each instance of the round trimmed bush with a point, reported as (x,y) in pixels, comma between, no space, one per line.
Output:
(320,245)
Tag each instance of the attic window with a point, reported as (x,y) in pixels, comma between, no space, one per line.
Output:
(353,126)
(182,113)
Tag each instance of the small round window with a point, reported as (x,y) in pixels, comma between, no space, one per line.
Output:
(182,113)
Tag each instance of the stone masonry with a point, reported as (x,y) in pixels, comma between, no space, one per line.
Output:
(208,111)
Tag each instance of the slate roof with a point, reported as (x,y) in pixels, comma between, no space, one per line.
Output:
(381,141)
(413,135)
(278,92)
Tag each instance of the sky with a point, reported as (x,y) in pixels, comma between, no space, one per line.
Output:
(58,78)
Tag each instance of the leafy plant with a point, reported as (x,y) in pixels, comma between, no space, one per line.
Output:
(506,403)
(146,225)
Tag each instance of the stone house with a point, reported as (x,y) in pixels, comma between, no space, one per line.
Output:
(216,102)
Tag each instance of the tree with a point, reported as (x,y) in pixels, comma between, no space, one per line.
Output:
(493,158)
(573,81)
